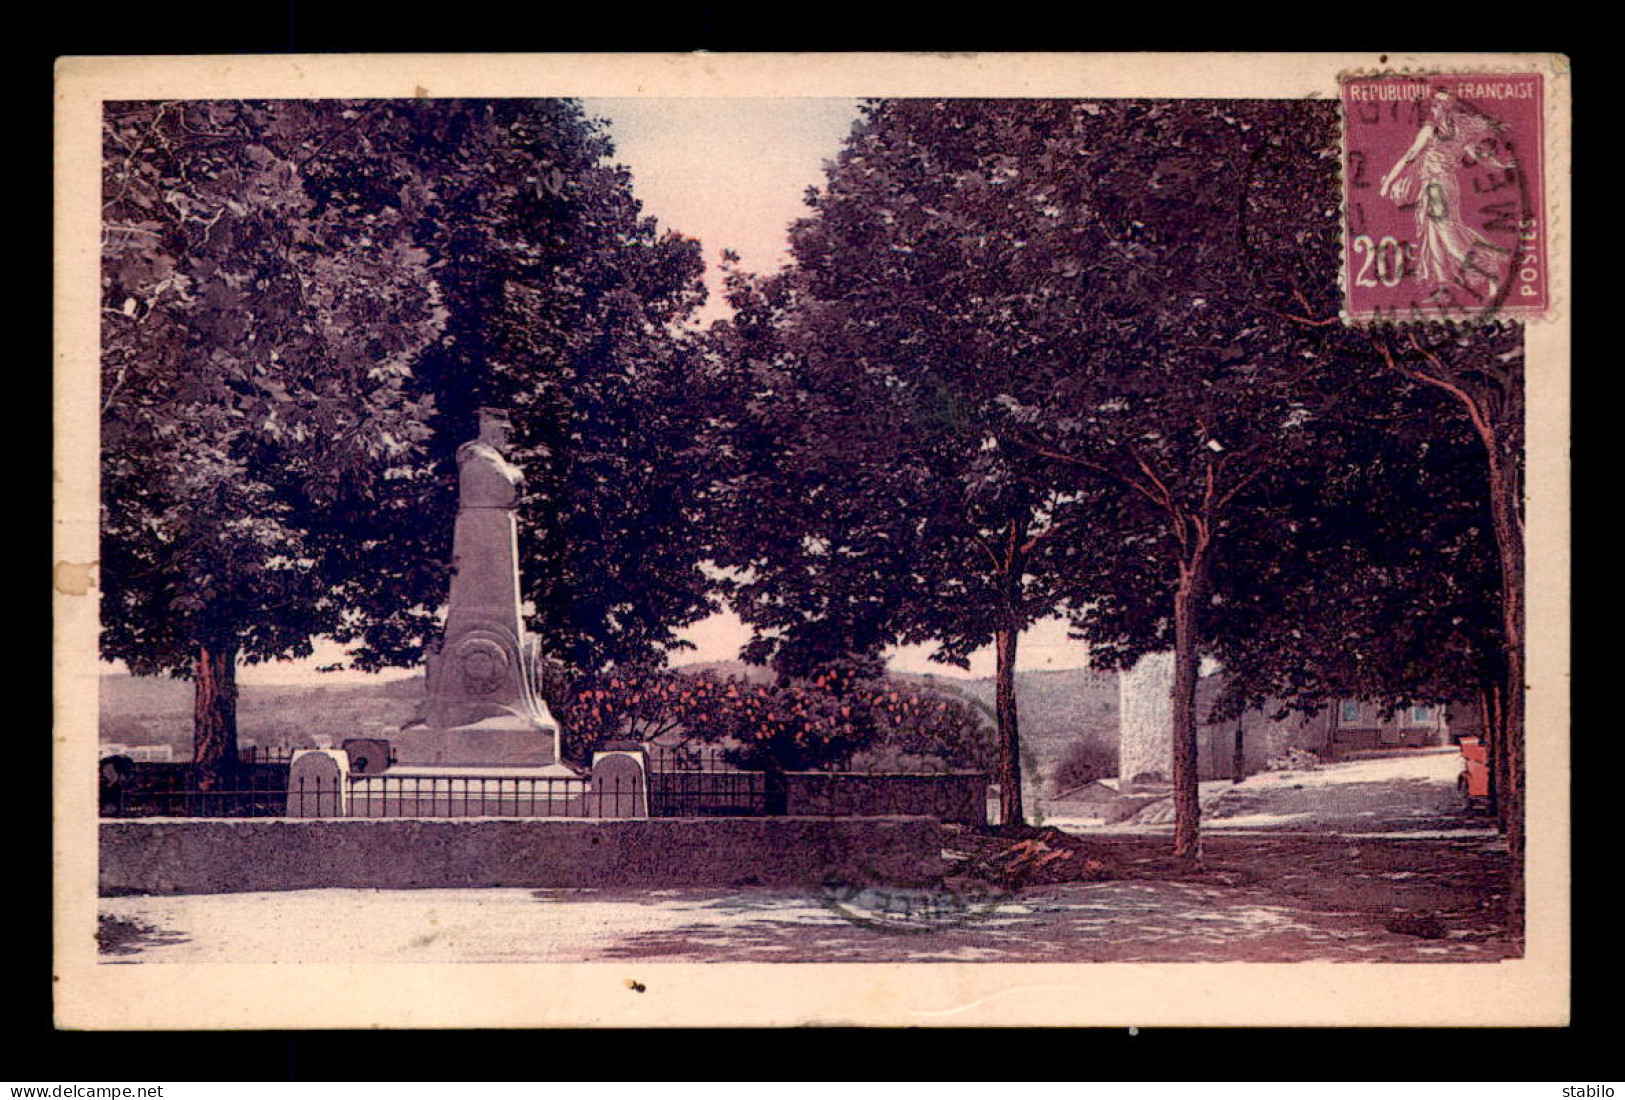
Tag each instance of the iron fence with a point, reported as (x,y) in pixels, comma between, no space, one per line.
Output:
(265,754)
(700,781)
(388,796)
(715,794)
(175,792)
(708,759)
(679,784)
(474,796)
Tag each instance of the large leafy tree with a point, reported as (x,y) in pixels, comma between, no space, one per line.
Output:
(878,496)
(304,302)
(1383,578)
(1067,345)
(258,334)
(1125,313)
(1396,573)
(566,306)
(1184,382)
(1479,377)
(1256,439)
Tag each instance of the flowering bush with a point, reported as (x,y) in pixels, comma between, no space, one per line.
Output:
(824,721)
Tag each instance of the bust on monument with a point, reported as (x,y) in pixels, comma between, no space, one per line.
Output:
(486,479)
(483,706)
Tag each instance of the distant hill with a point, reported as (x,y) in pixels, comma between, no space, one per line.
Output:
(730,670)
(1058,710)
(150,710)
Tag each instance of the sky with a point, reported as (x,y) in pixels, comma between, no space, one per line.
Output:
(733,174)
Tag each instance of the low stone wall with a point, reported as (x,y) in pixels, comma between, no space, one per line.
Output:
(955,796)
(171,856)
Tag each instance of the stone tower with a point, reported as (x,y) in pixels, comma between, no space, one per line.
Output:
(1145,744)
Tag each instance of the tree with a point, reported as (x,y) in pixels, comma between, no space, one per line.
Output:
(1262,399)
(304,302)
(1144,343)
(1403,581)
(1059,341)
(1482,375)
(1180,380)
(256,346)
(878,495)
(1385,585)
(565,305)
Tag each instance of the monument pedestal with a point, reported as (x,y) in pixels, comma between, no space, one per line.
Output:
(504,742)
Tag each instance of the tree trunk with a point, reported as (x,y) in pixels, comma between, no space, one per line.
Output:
(1504,506)
(1238,757)
(1512,803)
(1008,764)
(1506,518)
(1187,804)
(776,790)
(214,716)
(1490,724)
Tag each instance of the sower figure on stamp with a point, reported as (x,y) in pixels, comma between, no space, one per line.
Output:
(1453,136)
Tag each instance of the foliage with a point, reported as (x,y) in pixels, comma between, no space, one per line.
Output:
(1389,589)
(1208,380)
(1034,353)
(303,303)
(257,342)
(256,345)
(644,703)
(1086,760)
(1180,380)
(872,429)
(565,306)
(922,729)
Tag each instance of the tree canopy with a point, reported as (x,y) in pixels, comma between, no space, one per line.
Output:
(304,302)
(565,306)
(1062,353)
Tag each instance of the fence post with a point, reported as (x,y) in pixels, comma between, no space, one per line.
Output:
(318,769)
(615,771)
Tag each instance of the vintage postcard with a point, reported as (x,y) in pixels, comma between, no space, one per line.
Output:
(665,540)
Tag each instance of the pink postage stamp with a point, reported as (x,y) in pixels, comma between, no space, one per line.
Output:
(1443,197)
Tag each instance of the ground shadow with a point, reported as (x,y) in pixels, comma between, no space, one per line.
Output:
(119,936)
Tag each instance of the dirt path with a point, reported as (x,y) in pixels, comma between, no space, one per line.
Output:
(1409,792)
(1278,899)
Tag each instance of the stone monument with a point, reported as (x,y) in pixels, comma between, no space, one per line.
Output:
(484,707)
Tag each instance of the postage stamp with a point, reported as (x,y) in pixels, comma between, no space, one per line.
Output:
(1444,197)
(648,540)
